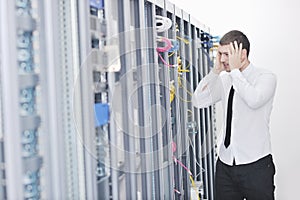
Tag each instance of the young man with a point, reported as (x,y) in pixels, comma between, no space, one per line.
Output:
(244,168)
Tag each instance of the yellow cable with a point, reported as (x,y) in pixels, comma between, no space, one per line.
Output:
(171,54)
(190,111)
(176,28)
(179,62)
(188,66)
(172,91)
(194,186)
(183,40)
(179,81)
(187,91)
(183,70)
(184,100)
(179,68)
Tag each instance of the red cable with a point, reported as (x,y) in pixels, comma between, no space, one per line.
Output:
(165,48)
(169,65)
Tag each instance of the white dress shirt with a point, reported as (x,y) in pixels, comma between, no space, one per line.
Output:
(252,104)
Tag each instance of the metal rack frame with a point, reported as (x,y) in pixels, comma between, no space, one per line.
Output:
(104,52)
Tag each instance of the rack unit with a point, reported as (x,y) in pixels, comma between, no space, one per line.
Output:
(91,109)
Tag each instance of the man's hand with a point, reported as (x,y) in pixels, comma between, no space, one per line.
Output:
(218,68)
(235,55)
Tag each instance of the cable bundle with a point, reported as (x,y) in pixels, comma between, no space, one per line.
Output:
(175,46)
(167,47)
(162,23)
(208,40)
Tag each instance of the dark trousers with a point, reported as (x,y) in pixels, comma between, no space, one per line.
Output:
(254,181)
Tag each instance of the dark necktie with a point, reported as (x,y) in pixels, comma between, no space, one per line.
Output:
(229,118)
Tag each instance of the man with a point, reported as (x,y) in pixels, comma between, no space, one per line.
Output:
(244,168)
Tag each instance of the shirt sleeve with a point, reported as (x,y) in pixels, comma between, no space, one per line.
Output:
(258,94)
(208,91)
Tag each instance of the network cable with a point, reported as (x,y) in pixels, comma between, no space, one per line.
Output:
(167,48)
(162,23)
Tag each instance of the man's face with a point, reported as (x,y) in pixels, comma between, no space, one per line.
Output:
(223,52)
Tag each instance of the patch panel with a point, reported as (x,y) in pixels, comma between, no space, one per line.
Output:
(25,136)
(27,95)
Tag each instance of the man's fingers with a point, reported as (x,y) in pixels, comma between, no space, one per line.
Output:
(231,49)
(240,48)
(236,46)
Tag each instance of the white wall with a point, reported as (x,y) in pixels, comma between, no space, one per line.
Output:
(273,29)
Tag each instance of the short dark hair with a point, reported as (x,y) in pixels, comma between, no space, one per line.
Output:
(238,36)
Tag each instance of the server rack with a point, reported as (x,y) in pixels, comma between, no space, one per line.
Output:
(20,86)
(91,109)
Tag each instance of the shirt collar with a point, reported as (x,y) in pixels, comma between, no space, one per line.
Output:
(248,70)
